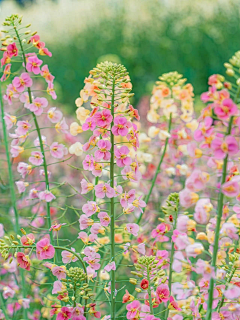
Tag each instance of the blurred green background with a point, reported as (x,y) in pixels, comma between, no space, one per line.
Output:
(150,37)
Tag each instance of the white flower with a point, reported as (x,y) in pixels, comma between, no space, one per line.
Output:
(163,135)
(75,128)
(153,131)
(171,171)
(76,149)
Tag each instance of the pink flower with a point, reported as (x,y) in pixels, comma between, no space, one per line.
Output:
(44,249)
(180,240)
(58,150)
(205,269)
(127,198)
(133,309)
(62,126)
(231,188)
(38,105)
(202,209)
(54,115)
(88,162)
(174,304)
(57,287)
(104,218)
(132,228)
(163,293)
(51,91)
(68,257)
(104,189)
(121,126)
(110,266)
(86,186)
(64,314)
(228,229)
(7,293)
(233,292)
(21,82)
(9,120)
(192,250)
(59,272)
(28,239)
(138,204)
(85,238)
(11,92)
(225,109)
(22,128)
(121,156)
(36,158)
(21,186)
(103,152)
(85,222)
(46,196)
(23,261)
(33,64)
(187,198)
(6,72)
(46,74)
(103,118)
(1,230)
(78,313)
(16,150)
(222,147)
(90,208)
(204,129)
(89,124)
(12,50)
(197,180)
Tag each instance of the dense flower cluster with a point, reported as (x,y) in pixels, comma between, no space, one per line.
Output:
(164,249)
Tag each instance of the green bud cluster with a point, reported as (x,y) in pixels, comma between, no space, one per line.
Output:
(6,244)
(172,79)
(172,204)
(147,265)
(235,60)
(76,274)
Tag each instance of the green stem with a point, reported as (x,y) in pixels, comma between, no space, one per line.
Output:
(12,189)
(171,259)
(229,279)
(149,292)
(3,307)
(217,230)
(112,226)
(9,163)
(158,169)
(49,222)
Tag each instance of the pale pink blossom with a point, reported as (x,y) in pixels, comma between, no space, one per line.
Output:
(58,150)
(22,81)
(33,64)
(46,196)
(44,249)
(132,228)
(54,115)
(104,189)
(36,158)
(37,105)
(104,218)
(222,147)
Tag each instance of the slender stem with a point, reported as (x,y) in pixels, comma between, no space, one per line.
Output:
(157,170)
(112,226)
(12,190)
(171,259)
(3,307)
(10,173)
(217,230)
(229,279)
(39,137)
(149,292)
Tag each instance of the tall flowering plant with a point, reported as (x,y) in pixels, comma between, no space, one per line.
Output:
(23,108)
(111,158)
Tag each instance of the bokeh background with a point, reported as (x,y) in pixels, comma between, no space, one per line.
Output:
(150,37)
